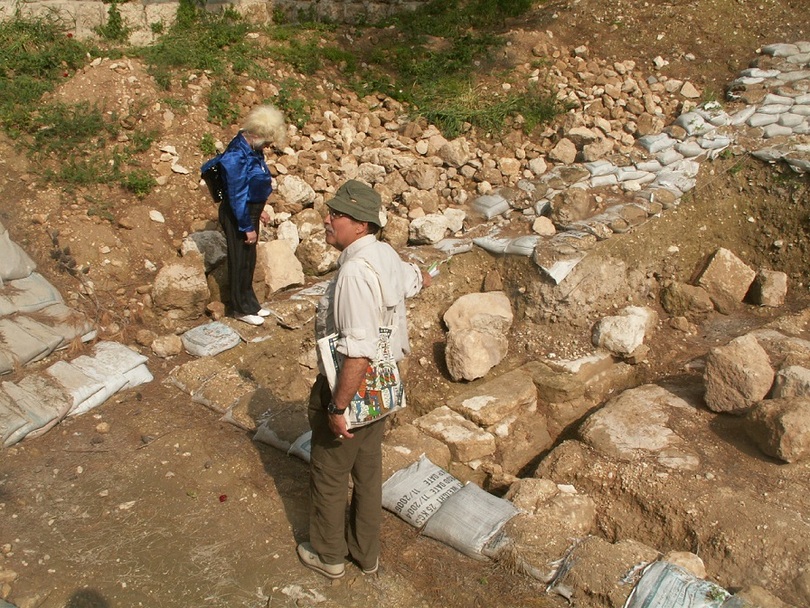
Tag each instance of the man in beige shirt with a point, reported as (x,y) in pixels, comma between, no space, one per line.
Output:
(370,287)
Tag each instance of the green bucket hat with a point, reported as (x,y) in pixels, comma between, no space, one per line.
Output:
(358,201)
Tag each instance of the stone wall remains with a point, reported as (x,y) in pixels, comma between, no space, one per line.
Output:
(82,17)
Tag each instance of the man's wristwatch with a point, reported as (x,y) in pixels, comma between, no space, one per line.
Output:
(333,409)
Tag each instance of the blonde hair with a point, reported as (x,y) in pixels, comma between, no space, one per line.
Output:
(266,124)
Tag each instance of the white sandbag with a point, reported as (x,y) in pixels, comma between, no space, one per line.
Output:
(85,392)
(14,262)
(416,492)
(65,321)
(302,447)
(39,331)
(50,397)
(21,345)
(209,339)
(113,382)
(265,434)
(39,410)
(138,375)
(11,420)
(665,584)
(30,294)
(469,519)
(281,426)
(6,361)
(120,359)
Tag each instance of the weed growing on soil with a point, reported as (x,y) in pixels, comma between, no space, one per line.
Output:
(114,29)
(438,80)
(208,144)
(35,54)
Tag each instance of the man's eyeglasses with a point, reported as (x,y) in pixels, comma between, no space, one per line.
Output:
(333,215)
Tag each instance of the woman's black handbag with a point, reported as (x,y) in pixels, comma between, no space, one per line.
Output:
(211,173)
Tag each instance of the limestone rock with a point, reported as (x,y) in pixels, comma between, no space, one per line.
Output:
(727,274)
(737,375)
(467,442)
(781,427)
(279,266)
(181,289)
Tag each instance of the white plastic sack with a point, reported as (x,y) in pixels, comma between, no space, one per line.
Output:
(64,321)
(12,421)
(112,381)
(14,262)
(209,339)
(21,345)
(50,399)
(281,426)
(469,519)
(665,584)
(30,294)
(85,392)
(302,447)
(42,407)
(416,492)
(117,358)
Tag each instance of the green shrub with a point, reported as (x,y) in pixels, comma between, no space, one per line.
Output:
(208,144)
(67,129)
(114,29)
(294,106)
(141,141)
(221,109)
(139,182)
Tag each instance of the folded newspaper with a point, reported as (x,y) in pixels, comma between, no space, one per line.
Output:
(380,393)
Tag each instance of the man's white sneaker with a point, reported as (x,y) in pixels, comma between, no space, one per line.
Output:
(250,319)
(263,312)
(312,560)
(373,569)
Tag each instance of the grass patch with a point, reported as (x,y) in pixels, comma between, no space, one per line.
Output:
(199,40)
(294,106)
(64,130)
(35,54)
(221,109)
(452,110)
(208,144)
(431,59)
(139,182)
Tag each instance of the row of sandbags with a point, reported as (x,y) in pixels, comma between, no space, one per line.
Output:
(473,521)
(33,405)
(34,320)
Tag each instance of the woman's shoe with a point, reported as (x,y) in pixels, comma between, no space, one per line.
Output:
(250,319)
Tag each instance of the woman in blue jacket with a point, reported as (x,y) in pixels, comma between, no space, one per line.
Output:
(247,185)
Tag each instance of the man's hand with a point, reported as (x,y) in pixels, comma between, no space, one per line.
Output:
(337,424)
(351,375)
(251,237)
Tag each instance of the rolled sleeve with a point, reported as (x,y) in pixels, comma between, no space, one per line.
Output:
(411,279)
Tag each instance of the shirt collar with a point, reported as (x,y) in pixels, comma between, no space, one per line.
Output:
(351,250)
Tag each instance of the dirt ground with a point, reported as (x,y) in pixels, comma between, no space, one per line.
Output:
(149,500)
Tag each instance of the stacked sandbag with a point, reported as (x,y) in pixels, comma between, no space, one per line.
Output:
(460,515)
(34,320)
(36,403)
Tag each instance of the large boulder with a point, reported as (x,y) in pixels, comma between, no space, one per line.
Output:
(181,288)
(737,375)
